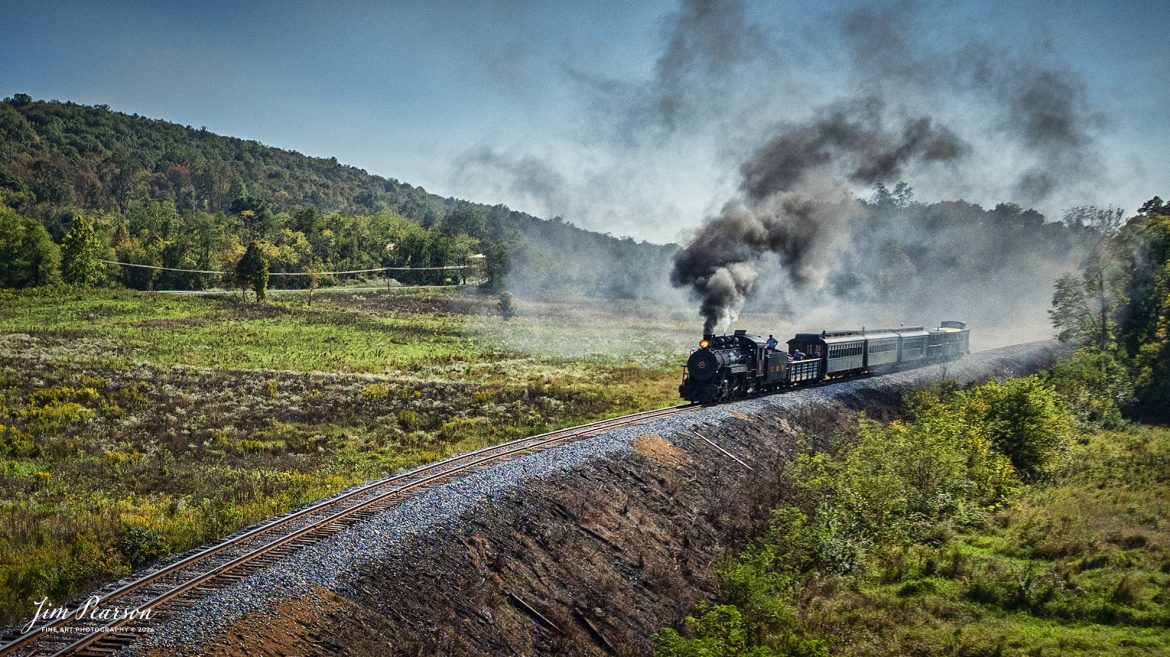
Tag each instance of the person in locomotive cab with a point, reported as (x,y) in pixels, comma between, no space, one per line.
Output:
(770,345)
(797,354)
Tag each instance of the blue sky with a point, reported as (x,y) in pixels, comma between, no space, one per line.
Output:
(558,107)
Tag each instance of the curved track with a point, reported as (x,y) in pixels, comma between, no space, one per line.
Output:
(203,573)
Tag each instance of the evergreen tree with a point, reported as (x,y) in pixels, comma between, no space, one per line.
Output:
(252,271)
(81,251)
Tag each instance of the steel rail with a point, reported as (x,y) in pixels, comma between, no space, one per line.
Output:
(502,449)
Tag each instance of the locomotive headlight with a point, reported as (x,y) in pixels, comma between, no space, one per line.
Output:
(704,343)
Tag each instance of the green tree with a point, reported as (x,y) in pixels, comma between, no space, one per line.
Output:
(252,271)
(1084,305)
(81,252)
(466,219)
(154,220)
(496,264)
(28,256)
(256,215)
(1144,328)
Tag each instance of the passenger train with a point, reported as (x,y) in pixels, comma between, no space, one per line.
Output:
(733,366)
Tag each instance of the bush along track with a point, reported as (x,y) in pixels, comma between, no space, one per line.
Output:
(1003,519)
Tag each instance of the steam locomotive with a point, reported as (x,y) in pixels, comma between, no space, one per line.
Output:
(729,367)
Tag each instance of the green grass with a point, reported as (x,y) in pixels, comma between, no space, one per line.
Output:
(133,425)
(1075,563)
(1078,566)
(334,336)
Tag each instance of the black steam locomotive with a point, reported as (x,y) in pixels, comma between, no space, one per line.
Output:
(733,366)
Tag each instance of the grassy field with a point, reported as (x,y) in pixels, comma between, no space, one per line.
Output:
(933,536)
(1080,566)
(136,425)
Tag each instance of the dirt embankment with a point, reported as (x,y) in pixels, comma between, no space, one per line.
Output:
(589,559)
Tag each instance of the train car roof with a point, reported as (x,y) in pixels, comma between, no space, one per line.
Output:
(827,337)
(857,335)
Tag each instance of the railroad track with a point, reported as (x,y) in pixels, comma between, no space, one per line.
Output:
(185,582)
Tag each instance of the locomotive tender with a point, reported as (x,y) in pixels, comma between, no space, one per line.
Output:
(732,366)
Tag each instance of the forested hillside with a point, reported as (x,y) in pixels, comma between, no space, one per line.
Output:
(155,193)
(163,194)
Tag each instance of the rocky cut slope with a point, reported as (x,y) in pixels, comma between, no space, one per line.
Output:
(584,549)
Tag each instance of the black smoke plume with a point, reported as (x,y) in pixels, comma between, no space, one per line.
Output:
(852,139)
(1041,105)
(796,196)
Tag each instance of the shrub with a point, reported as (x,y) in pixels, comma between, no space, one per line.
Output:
(55,415)
(376,391)
(1126,592)
(412,420)
(461,428)
(1028,421)
(507,305)
(46,396)
(17,443)
(140,544)
(719,632)
(1095,385)
(93,381)
(760,583)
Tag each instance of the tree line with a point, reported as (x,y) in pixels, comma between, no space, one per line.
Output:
(1118,306)
(240,244)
